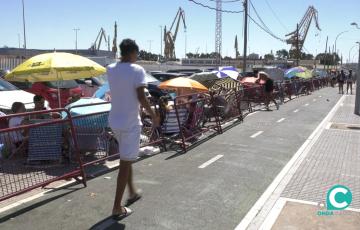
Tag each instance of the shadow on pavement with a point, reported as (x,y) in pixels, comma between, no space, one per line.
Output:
(36,205)
(108,224)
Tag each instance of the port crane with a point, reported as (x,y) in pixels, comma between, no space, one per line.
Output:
(170,38)
(297,38)
(97,43)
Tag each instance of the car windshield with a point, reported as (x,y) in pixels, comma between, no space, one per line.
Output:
(6,86)
(102,79)
(149,78)
(69,84)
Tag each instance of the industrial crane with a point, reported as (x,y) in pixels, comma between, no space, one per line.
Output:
(170,38)
(96,45)
(297,37)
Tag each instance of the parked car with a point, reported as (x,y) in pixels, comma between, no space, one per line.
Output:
(90,85)
(154,90)
(10,94)
(167,76)
(185,70)
(50,91)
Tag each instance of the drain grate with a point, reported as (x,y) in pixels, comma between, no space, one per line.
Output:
(344,126)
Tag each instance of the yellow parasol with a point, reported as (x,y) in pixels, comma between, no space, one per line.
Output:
(55,67)
(183,83)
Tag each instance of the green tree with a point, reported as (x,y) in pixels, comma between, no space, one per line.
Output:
(328,59)
(282,54)
(269,57)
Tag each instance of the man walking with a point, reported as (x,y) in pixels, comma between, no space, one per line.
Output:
(127,87)
(268,90)
(349,82)
(341,80)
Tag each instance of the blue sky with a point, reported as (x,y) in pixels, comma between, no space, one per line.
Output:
(50,23)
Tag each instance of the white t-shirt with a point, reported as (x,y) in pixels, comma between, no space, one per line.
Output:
(124,79)
(16,136)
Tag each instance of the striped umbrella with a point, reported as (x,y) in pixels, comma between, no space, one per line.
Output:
(226,71)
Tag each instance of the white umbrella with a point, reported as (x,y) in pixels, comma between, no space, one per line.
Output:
(226,71)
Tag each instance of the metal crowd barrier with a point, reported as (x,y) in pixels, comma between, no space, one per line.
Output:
(44,150)
(36,153)
(229,106)
(193,114)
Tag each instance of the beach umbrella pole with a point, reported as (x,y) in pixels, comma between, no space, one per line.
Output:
(58,89)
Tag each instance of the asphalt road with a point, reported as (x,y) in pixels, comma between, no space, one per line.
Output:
(177,193)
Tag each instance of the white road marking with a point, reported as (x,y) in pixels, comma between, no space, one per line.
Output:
(342,104)
(256,134)
(307,104)
(250,114)
(320,96)
(314,99)
(209,162)
(281,120)
(296,110)
(283,178)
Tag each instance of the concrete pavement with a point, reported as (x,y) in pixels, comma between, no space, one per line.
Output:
(177,193)
(329,158)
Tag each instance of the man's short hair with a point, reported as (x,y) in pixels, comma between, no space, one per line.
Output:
(128,46)
(38,98)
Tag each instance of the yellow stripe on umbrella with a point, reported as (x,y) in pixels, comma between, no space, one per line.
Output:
(183,83)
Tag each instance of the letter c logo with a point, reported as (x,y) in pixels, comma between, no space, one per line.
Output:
(339,197)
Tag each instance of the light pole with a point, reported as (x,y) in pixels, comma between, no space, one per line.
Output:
(76,32)
(349,60)
(19,40)
(23,12)
(150,41)
(357,98)
(336,41)
(161,40)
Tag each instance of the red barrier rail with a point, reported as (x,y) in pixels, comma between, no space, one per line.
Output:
(34,155)
(191,118)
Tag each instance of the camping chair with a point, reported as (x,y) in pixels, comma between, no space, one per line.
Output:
(45,143)
(92,133)
(171,125)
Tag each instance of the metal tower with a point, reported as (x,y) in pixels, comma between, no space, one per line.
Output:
(218,30)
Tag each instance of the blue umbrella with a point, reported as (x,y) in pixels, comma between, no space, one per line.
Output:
(226,71)
(101,92)
(88,109)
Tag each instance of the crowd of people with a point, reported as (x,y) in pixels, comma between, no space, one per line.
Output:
(342,78)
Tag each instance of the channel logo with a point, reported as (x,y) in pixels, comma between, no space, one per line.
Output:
(338,197)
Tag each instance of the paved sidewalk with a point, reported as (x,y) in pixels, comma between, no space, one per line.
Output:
(330,156)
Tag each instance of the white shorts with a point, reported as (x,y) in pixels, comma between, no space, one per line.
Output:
(129,142)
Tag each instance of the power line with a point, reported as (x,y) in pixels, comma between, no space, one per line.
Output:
(263,26)
(213,8)
(275,15)
(229,1)
(265,30)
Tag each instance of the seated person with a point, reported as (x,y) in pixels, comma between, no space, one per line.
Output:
(18,137)
(170,124)
(39,103)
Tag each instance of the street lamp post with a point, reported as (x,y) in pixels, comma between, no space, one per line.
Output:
(76,32)
(24,27)
(357,98)
(349,60)
(336,41)
(161,40)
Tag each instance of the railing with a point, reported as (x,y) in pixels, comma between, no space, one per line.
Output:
(25,149)
(44,149)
